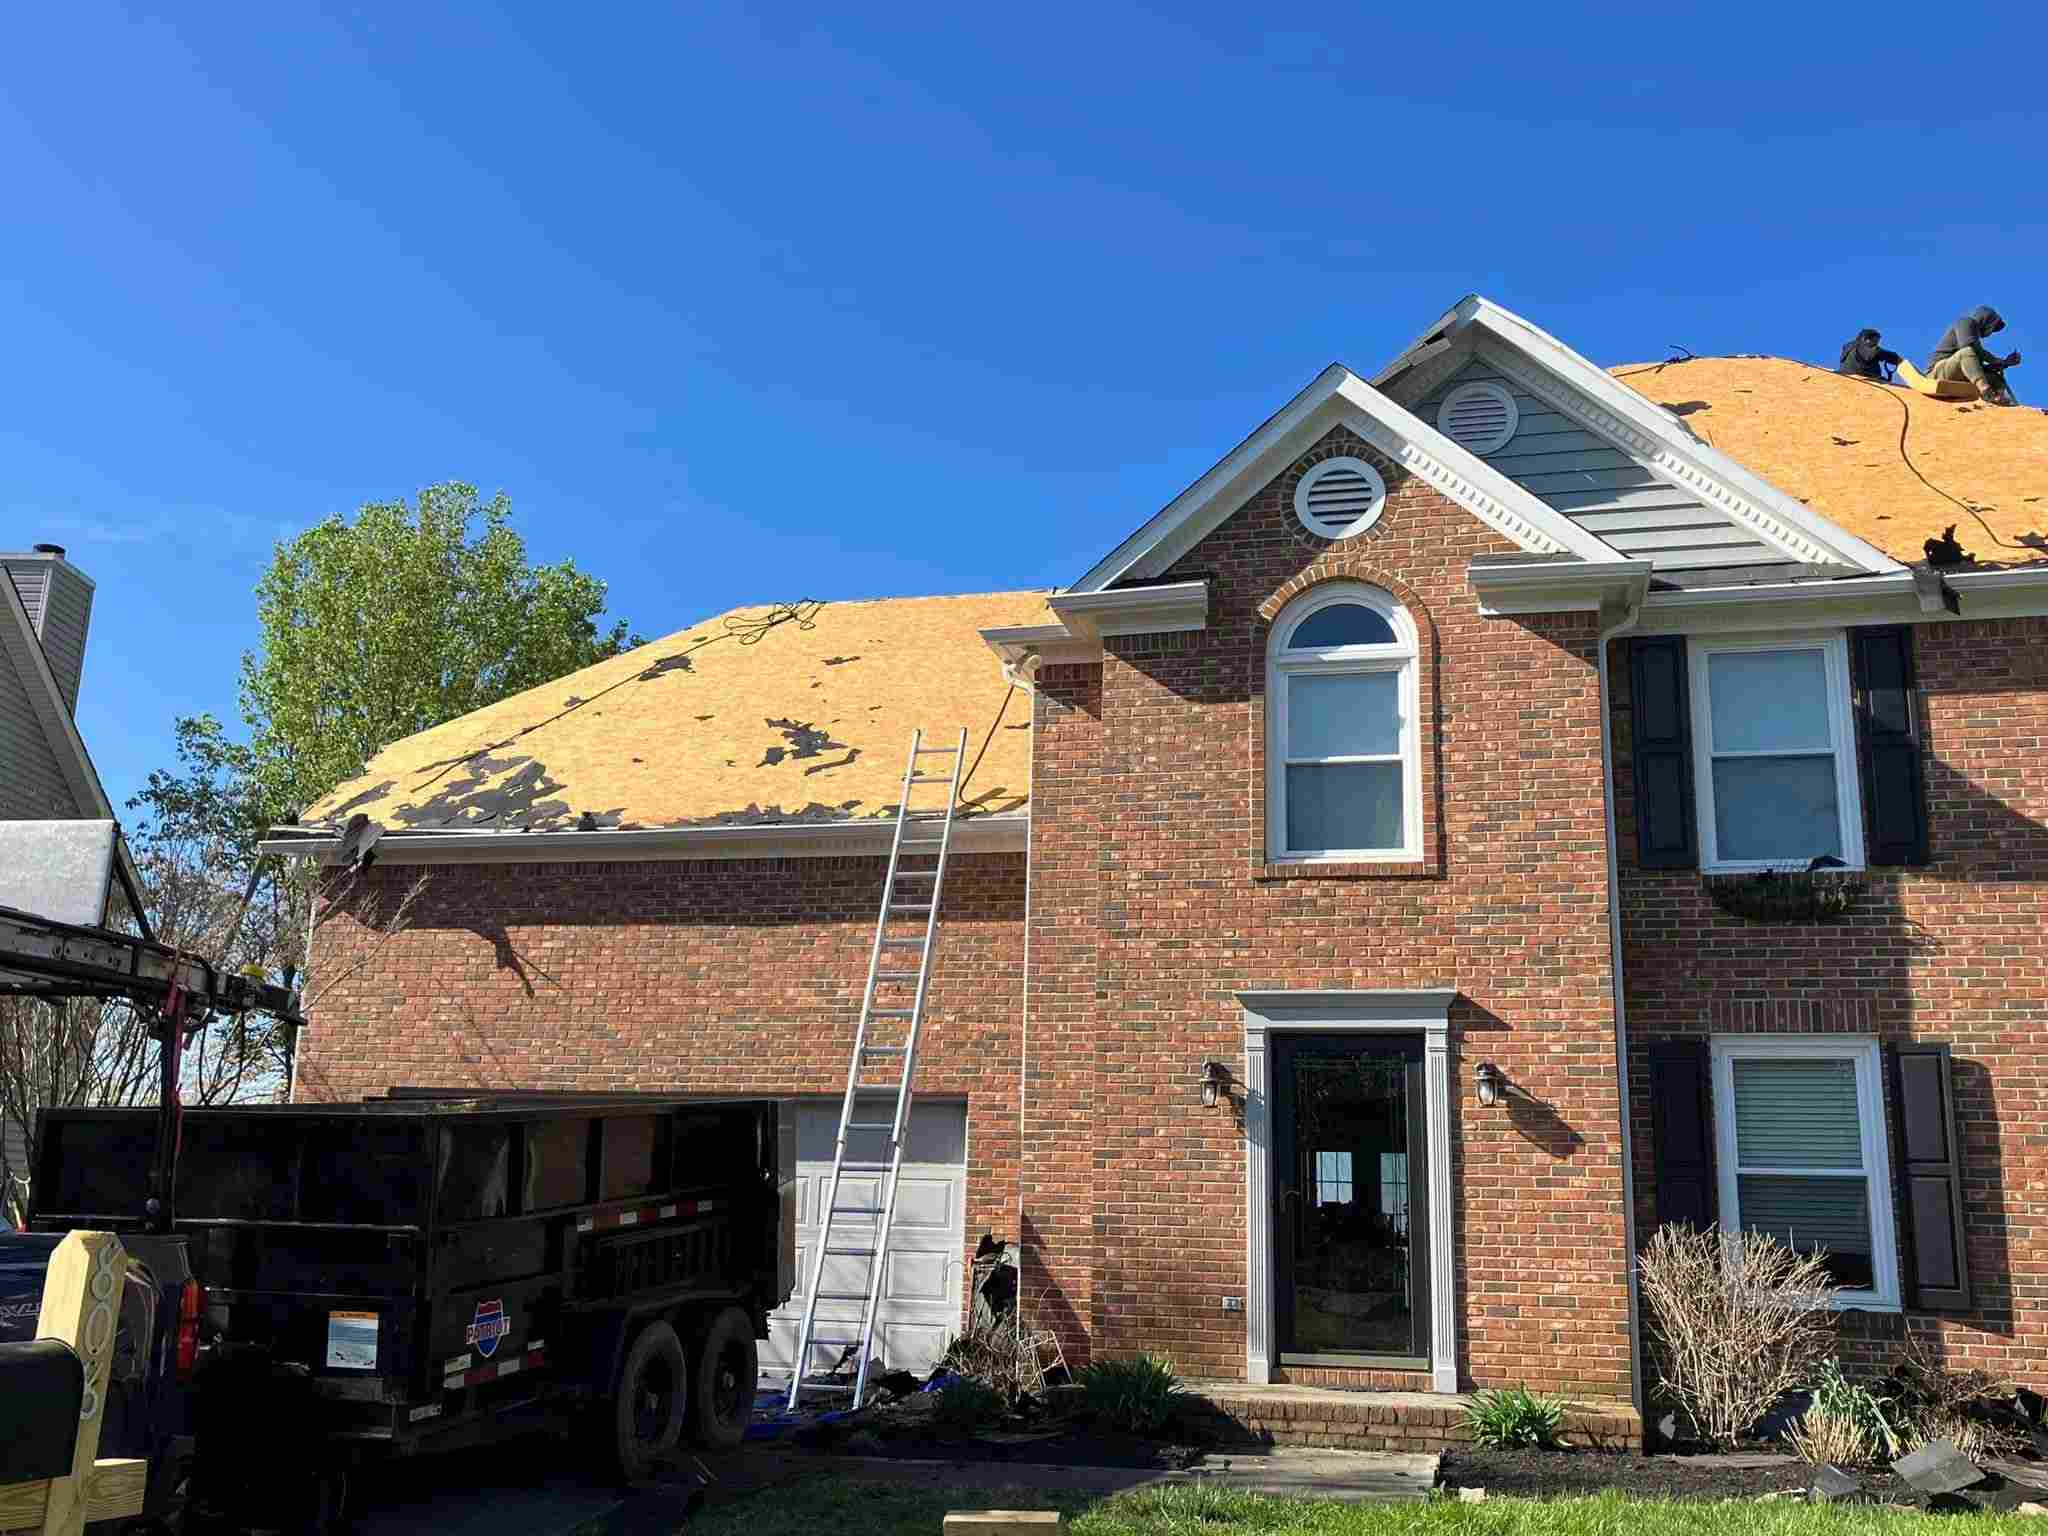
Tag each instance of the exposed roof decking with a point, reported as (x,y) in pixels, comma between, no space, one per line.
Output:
(808,723)
(1833,443)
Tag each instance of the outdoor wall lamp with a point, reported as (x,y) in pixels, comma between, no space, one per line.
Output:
(1491,1082)
(1215,1078)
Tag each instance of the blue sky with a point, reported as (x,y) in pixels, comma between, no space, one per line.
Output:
(745,305)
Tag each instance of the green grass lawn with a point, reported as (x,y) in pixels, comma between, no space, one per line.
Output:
(824,1506)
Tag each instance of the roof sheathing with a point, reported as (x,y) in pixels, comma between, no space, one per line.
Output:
(1835,444)
(807,722)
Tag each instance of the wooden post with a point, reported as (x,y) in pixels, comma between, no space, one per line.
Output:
(82,1306)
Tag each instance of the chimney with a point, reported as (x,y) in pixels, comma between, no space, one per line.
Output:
(58,597)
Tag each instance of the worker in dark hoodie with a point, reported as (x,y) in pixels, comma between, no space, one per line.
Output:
(1962,355)
(1863,358)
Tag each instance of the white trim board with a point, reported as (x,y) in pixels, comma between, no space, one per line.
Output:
(1424,1011)
(1338,397)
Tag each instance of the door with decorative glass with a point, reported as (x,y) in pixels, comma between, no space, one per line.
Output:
(1351,1272)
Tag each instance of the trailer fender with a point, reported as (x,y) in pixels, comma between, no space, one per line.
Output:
(606,1336)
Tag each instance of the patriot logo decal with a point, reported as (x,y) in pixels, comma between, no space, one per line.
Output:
(488,1326)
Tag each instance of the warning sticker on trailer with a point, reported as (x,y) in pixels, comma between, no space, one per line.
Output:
(352,1341)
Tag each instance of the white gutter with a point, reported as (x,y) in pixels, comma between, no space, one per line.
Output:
(1005,833)
(1621,627)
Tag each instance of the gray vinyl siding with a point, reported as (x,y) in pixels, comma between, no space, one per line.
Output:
(32,785)
(31,580)
(1603,488)
(67,616)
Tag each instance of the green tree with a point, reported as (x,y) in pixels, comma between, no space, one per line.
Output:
(403,618)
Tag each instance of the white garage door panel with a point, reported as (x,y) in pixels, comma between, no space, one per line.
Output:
(920,1309)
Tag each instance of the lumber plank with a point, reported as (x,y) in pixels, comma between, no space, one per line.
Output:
(22,1505)
(1003,1522)
(81,1298)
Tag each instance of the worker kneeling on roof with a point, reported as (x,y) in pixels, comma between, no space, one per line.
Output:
(1961,356)
(1863,358)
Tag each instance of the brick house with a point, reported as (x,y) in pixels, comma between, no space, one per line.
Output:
(1551,803)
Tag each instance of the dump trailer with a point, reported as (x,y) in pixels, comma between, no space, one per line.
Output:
(423,1273)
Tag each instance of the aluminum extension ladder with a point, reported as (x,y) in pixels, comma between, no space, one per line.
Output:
(888,1031)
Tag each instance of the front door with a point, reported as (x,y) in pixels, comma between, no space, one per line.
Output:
(1351,1240)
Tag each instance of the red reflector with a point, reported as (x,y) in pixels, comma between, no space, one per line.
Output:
(191,1303)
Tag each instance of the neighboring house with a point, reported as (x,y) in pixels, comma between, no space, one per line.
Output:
(46,774)
(1395,766)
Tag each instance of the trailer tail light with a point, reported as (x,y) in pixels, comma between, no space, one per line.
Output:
(191,1306)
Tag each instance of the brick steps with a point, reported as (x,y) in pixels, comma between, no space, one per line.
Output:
(1381,1421)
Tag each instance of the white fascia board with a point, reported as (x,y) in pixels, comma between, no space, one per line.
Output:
(1017,643)
(1526,353)
(1339,397)
(1559,586)
(1886,599)
(772,840)
(1175,608)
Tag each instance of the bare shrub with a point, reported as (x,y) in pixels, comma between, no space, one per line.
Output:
(1957,1405)
(1823,1437)
(998,1354)
(1734,1323)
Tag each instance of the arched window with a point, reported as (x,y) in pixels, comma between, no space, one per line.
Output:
(1342,776)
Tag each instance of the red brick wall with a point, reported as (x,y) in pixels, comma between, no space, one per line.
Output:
(738,976)
(1149,810)
(1950,953)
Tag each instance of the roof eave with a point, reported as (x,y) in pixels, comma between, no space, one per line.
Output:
(1005,833)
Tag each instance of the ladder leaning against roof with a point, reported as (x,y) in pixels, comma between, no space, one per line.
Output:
(888,1031)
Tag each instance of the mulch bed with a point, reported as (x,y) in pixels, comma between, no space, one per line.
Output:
(905,1431)
(1571,1474)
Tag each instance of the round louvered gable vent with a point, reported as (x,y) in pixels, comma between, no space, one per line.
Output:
(1340,497)
(1478,417)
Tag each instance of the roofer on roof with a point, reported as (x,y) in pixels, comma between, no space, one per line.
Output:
(1961,355)
(1863,358)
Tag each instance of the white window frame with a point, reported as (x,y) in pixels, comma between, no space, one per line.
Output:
(1834,648)
(1883,1295)
(1282,665)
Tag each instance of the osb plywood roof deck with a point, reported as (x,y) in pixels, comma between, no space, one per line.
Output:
(730,722)
(1834,443)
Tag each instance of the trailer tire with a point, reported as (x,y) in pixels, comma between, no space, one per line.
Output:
(726,1367)
(649,1403)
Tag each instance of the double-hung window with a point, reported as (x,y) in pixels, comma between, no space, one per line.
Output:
(1799,1126)
(1342,775)
(1775,758)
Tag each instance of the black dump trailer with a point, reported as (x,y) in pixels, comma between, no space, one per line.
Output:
(422,1273)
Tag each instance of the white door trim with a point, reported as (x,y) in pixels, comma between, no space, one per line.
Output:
(1424,1011)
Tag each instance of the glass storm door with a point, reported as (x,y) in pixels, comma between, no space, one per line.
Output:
(1351,1245)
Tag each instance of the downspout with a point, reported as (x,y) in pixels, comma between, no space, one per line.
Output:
(1021,674)
(1630,615)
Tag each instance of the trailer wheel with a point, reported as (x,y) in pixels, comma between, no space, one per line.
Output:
(727,1369)
(647,1408)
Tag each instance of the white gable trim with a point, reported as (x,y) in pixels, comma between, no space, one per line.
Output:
(1339,397)
(1583,390)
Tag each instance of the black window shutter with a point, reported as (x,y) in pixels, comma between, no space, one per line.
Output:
(1888,744)
(1682,1131)
(1661,723)
(1931,1160)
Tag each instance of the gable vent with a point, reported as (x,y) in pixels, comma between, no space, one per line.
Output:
(1339,498)
(1478,417)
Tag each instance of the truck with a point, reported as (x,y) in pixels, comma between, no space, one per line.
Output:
(425,1272)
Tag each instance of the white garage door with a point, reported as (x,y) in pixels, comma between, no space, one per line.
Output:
(920,1309)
